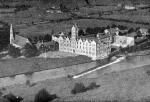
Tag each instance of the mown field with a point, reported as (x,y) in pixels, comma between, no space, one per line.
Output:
(12,67)
(131,84)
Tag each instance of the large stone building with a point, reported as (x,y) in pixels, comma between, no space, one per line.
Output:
(95,47)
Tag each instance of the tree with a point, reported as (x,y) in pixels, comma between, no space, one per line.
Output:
(4,35)
(12,98)
(47,38)
(90,31)
(149,30)
(13,51)
(121,27)
(35,39)
(30,38)
(113,26)
(78,88)
(44,96)
(63,8)
(130,30)
(139,34)
(108,27)
(81,33)
(41,38)
(30,50)
(98,30)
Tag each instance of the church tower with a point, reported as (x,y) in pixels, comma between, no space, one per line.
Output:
(11,38)
(74,35)
(74,32)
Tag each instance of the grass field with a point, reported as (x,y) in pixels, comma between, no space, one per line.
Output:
(10,67)
(130,84)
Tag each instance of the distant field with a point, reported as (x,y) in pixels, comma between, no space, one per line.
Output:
(34,22)
(134,18)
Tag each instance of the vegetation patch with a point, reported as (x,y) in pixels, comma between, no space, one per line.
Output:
(30,51)
(44,96)
(13,51)
(79,87)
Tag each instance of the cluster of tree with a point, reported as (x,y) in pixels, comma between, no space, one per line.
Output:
(63,8)
(28,51)
(131,30)
(13,51)
(10,98)
(44,96)
(4,36)
(40,38)
(81,32)
(92,31)
(122,27)
(101,29)
(4,6)
(95,30)
(50,47)
(79,87)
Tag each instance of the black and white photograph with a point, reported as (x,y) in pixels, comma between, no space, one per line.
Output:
(74,50)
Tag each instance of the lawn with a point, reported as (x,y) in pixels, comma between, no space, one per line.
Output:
(10,67)
(133,84)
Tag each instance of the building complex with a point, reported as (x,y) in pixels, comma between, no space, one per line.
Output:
(98,47)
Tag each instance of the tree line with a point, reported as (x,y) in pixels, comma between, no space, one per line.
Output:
(40,38)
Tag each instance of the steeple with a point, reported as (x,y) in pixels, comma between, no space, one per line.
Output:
(11,35)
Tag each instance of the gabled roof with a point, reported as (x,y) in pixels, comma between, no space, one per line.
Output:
(20,41)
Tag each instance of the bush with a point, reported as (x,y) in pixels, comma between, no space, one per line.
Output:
(44,96)
(148,72)
(78,88)
(13,98)
(30,50)
(92,86)
(13,51)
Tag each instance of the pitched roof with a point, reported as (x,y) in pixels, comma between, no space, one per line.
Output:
(20,41)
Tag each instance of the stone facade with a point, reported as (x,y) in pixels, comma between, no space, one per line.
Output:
(95,47)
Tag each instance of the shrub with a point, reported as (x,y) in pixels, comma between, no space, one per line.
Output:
(30,84)
(13,98)
(44,96)
(13,51)
(78,88)
(148,72)
(29,73)
(30,50)
(92,86)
